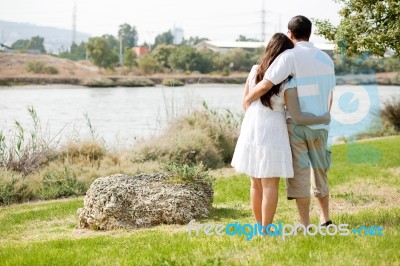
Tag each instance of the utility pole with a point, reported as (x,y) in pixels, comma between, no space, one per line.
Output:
(263,21)
(74,24)
(120,49)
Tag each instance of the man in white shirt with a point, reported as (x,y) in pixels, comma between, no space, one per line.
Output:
(313,76)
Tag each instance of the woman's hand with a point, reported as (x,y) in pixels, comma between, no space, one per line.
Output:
(327,118)
(245,105)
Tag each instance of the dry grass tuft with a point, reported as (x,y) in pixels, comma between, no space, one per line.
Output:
(203,136)
(83,151)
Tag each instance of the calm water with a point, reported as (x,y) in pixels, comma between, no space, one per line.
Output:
(119,115)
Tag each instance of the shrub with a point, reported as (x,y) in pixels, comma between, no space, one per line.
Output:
(172,82)
(149,65)
(38,67)
(59,182)
(188,173)
(82,151)
(12,188)
(395,79)
(51,70)
(391,112)
(26,155)
(99,83)
(203,136)
(135,83)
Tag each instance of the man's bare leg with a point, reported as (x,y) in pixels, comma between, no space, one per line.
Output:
(323,204)
(303,206)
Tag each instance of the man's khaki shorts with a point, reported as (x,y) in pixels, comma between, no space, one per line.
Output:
(311,161)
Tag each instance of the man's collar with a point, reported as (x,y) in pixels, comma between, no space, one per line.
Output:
(304,43)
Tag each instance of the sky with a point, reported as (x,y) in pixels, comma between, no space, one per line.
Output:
(218,20)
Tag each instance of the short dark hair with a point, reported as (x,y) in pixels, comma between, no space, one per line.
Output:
(300,26)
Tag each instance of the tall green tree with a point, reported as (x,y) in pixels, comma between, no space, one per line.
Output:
(20,44)
(112,42)
(162,53)
(148,65)
(130,58)
(187,58)
(194,40)
(163,38)
(76,52)
(101,52)
(366,26)
(236,59)
(128,34)
(37,43)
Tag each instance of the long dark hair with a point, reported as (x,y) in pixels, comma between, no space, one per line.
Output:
(278,43)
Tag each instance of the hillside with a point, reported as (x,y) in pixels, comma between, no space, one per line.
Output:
(13,71)
(15,65)
(55,39)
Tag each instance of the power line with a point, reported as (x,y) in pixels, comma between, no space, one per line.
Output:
(74,24)
(263,21)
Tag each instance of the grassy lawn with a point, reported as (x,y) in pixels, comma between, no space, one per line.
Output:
(365,190)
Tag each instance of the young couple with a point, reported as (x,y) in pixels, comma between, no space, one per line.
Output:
(284,133)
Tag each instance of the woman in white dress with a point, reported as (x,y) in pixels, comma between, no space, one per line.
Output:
(263,149)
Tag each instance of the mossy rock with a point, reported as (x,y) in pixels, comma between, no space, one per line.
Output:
(121,201)
(172,82)
(99,83)
(135,83)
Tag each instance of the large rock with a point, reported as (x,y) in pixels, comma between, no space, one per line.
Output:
(143,200)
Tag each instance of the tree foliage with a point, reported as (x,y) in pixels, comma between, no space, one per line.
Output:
(162,53)
(366,26)
(101,52)
(129,58)
(35,43)
(20,44)
(163,38)
(237,59)
(113,42)
(194,40)
(243,38)
(148,65)
(129,35)
(187,58)
(76,52)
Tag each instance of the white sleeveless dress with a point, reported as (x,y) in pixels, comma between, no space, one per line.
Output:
(263,148)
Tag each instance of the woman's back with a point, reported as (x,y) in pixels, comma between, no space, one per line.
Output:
(277,101)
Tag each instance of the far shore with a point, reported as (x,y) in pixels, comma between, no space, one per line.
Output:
(180,80)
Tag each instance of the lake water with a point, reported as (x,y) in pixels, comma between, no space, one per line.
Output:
(120,115)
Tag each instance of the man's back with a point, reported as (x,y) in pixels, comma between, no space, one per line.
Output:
(313,75)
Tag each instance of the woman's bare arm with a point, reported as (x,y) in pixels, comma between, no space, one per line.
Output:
(259,90)
(292,103)
(245,93)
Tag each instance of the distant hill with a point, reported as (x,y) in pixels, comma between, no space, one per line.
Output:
(55,39)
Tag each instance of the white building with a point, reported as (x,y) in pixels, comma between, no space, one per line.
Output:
(224,46)
(178,35)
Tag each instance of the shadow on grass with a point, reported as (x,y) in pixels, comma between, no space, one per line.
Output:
(219,213)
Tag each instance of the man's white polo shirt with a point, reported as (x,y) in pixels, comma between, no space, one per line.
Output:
(313,74)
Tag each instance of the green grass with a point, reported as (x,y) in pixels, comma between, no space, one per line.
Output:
(365,191)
